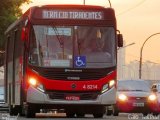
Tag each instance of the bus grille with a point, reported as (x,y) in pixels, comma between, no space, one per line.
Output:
(80,76)
(82,95)
(62,74)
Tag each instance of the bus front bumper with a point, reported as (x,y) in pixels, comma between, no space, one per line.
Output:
(35,96)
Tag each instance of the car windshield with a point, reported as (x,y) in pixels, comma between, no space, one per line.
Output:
(133,85)
(72,46)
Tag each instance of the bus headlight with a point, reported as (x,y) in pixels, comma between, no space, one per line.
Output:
(33,82)
(40,88)
(152,97)
(36,84)
(111,83)
(108,86)
(105,88)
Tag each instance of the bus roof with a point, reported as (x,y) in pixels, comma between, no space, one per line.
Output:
(71,7)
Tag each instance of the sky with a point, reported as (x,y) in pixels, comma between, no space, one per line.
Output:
(136,19)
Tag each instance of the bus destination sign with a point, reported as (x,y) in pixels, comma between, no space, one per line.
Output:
(60,14)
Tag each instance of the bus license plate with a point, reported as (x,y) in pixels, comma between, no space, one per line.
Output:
(72,97)
(138,104)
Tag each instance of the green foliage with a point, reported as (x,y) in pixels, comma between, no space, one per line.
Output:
(9,12)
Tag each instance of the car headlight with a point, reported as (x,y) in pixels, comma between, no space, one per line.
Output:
(122,97)
(152,97)
(33,82)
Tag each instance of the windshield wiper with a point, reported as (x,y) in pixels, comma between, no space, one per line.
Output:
(60,40)
(79,47)
(123,90)
(136,90)
(78,40)
(129,90)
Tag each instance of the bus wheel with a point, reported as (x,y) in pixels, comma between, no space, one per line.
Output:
(98,115)
(115,111)
(70,115)
(108,111)
(13,110)
(30,111)
(80,115)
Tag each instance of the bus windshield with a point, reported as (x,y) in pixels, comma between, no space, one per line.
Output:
(58,46)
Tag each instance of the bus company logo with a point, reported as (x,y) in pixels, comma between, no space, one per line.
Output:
(73,78)
(73,86)
(69,70)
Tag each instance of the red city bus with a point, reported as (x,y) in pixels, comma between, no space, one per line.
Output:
(62,57)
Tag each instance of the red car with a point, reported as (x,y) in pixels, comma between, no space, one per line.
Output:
(133,96)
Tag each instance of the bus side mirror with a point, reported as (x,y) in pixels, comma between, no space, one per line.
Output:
(120,40)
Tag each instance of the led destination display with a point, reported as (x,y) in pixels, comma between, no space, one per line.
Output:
(60,14)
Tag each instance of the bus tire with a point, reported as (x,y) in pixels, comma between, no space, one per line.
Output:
(115,111)
(80,115)
(108,111)
(13,110)
(98,115)
(70,115)
(30,111)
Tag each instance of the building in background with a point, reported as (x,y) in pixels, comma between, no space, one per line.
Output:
(150,70)
(120,63)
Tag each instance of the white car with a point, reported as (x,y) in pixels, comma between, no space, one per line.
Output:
(133,96)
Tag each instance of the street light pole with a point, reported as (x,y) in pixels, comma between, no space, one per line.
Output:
(110,3)
(126,46)
(84,2)
(140,62)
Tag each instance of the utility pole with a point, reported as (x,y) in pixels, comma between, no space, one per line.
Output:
(110,3)
(84,2)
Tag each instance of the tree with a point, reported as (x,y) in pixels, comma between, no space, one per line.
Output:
(9,12)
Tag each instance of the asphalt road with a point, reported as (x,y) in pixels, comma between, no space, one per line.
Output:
(61,116)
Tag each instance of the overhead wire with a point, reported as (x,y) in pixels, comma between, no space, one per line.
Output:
(129,9)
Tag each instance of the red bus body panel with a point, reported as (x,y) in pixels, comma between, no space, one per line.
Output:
(66,85)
